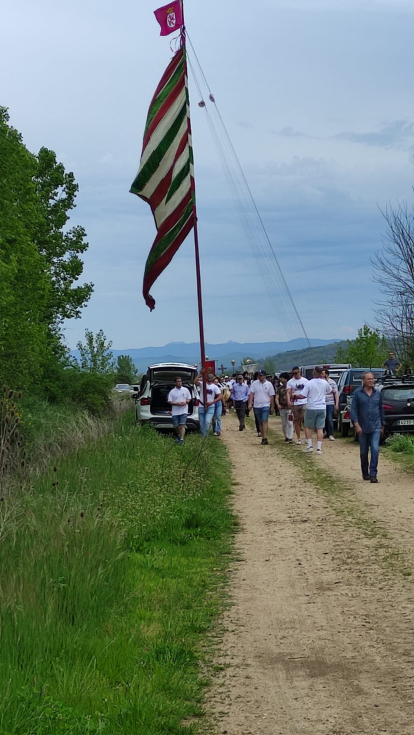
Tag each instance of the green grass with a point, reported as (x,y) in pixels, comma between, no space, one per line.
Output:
(400,448)
(112,572)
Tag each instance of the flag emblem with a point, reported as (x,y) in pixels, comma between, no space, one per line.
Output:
(171,19)
(165,176)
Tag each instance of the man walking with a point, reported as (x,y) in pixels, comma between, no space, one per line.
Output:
(179,398)
(315,391)
(392,364)
(206,412)
(298,405)
(262,396)
(283,408)
(332,404)
(367,415)
(240,396)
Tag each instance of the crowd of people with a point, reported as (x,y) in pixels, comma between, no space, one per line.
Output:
(303,404)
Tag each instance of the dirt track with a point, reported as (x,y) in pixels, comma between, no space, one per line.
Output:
(319,637)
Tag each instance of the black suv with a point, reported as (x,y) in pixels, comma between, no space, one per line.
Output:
(398,403)
(349,381)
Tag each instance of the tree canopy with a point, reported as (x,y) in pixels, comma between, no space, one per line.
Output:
(40,262)
(368,350)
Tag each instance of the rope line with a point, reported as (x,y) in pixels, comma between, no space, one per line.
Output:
(251,219)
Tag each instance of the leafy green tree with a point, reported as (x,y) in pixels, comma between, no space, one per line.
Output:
(126,371)
(40,260)
(369,349)
(269,365)
(23,283)
(60,249)
(95,354)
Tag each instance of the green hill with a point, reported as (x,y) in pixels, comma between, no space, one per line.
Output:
(311,356)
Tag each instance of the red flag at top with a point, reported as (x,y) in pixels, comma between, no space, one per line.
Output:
(170,17)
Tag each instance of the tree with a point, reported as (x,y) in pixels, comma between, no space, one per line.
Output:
(56,191)
(367,350)
(23,284)
(126,371)
(95,354)
(394,271)
(269,365)
(39,260)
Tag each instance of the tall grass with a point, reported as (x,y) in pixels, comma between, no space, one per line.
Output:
(111,569)
(401,448)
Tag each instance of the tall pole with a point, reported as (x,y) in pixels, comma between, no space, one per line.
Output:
(196,246)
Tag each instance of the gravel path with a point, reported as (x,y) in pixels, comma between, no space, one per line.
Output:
(319,637)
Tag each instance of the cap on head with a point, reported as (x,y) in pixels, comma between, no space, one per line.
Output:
(262,372)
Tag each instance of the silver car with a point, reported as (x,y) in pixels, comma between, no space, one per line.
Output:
(152,405)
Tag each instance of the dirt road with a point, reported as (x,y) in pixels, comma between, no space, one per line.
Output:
(319,637)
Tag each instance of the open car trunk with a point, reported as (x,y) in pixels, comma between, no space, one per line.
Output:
(159,395)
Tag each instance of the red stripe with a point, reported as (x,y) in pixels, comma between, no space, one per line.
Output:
(162,263)
(164,109)
(168,73)
(172,220)
(165,183)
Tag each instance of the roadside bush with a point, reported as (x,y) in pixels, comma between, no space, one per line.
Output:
(401,444)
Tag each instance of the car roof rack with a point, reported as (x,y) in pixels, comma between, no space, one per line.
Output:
(407,378)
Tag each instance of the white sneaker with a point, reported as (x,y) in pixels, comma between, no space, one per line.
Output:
(309,450)
(331,438)
(319,451)
(299,441)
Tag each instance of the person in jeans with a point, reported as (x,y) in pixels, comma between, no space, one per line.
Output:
(179,398)
(240,396)
(218,410)
(332,404)
(262,394)
(283,408)
(315,391)
(367,415)
(214,395)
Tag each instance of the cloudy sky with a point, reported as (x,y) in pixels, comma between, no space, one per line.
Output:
(317,96)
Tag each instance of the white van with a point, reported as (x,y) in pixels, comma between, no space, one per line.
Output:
(152,406)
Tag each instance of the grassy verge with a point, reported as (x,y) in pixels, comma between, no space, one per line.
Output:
(345,504)
(400,448)
(112,568)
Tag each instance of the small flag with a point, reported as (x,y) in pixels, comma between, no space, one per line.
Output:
(165,176)
(170,17)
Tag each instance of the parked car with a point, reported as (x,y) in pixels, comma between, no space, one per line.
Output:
(335,370)
(152,405)
(122,388)
(398,403)
(349,381)
(134,391)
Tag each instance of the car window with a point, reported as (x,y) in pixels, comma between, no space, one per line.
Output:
(357,375)
(398,393)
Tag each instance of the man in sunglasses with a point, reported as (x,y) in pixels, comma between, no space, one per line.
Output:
(294,388)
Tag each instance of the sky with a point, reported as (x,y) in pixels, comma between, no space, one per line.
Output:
(317,97)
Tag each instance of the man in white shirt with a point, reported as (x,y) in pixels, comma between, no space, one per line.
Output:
(294,388)
(262,397)
(315,391)
(213,394)
(179,398)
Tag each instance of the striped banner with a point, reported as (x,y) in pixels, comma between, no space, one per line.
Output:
(165,177)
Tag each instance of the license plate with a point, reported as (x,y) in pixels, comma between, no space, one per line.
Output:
(406,422)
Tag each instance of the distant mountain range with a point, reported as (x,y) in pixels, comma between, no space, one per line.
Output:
(222,353)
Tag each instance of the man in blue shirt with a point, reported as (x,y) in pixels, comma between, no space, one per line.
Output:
(367,415)
(240,394)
